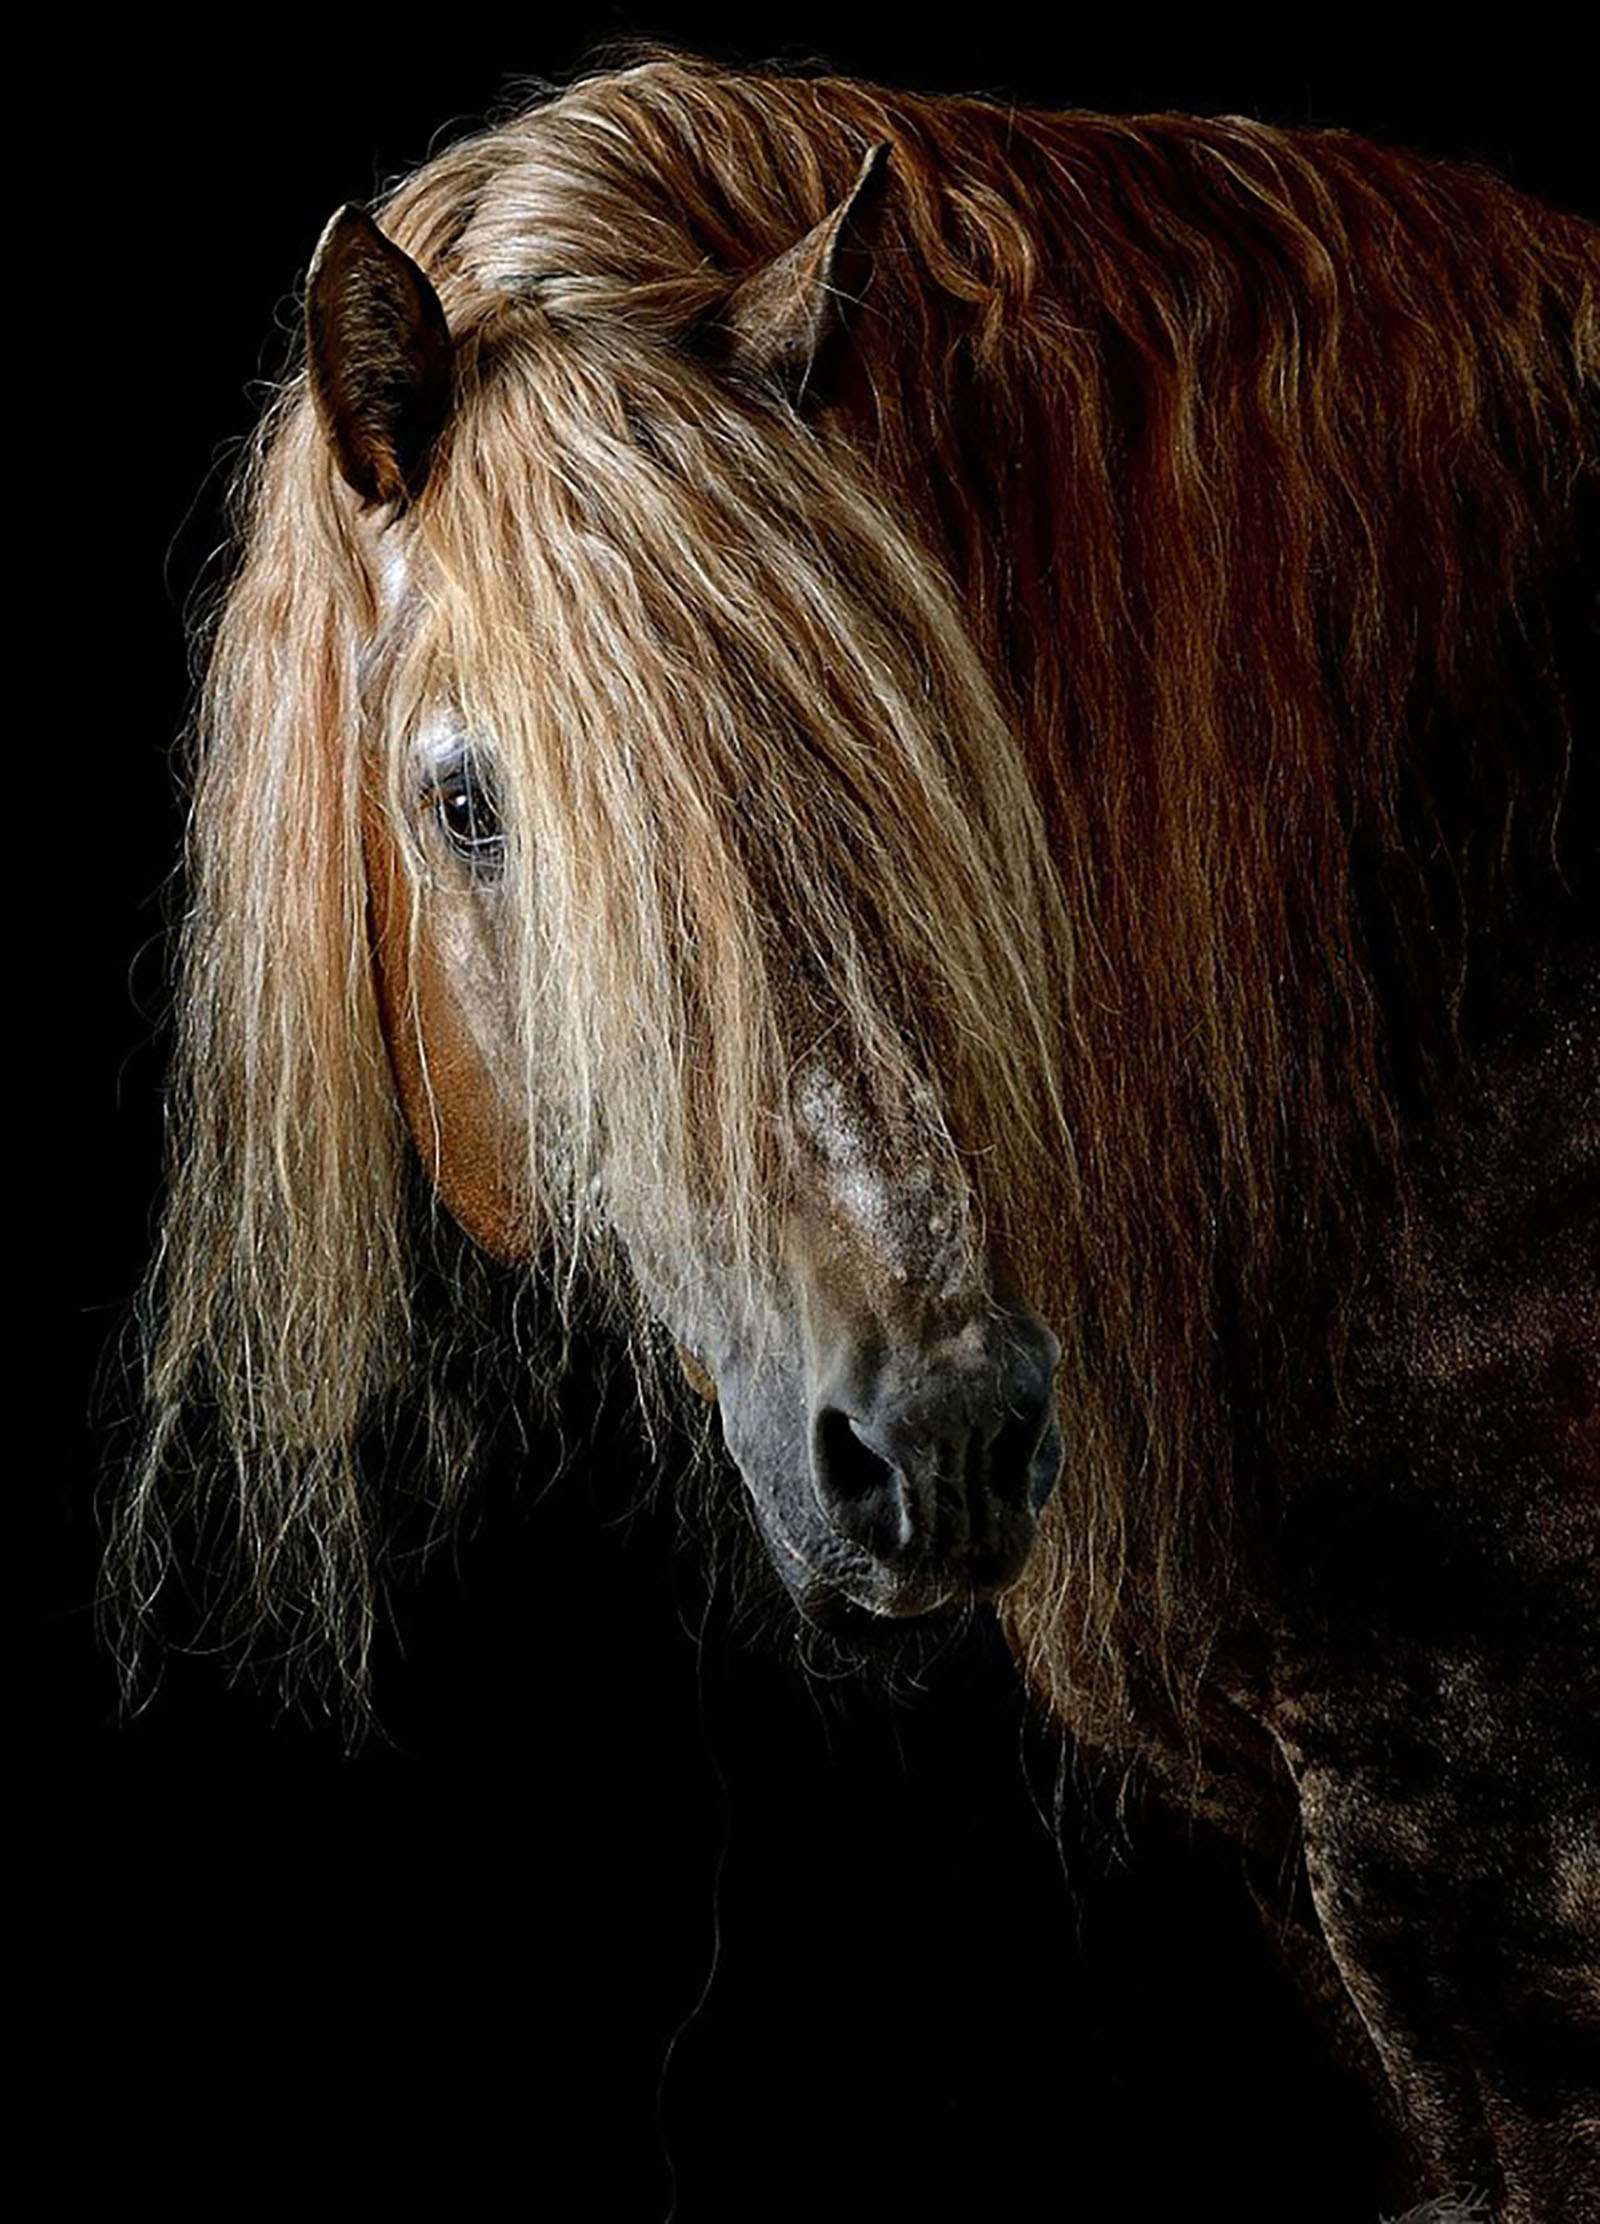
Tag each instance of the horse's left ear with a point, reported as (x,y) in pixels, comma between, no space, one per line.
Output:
(782,326)
(380,357)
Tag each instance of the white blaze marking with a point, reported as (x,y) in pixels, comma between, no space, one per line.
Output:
(904,1214)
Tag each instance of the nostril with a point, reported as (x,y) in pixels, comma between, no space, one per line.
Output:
(975,1468)
(861,1492)
(943,1462)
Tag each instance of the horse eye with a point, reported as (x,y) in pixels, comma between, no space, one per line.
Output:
(464,804)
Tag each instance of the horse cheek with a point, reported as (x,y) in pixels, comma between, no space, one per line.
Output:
(447,1092)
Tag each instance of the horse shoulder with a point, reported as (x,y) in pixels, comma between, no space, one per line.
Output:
(1437,1700)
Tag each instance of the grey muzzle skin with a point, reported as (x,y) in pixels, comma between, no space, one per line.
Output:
(907,1481)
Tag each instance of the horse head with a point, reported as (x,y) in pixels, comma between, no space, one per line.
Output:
(690,827)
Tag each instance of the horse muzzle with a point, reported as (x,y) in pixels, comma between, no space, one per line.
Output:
(922,1473)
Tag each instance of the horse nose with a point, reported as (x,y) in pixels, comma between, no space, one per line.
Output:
(938,1464)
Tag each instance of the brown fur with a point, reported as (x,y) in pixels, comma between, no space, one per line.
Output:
(1200,780)
(1302,421)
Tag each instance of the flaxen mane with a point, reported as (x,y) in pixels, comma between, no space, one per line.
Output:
(1128,717)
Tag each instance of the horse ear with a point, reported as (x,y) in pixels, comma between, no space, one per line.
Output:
(380,356)
(782,325)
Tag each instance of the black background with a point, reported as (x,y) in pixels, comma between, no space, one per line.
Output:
(616,1902)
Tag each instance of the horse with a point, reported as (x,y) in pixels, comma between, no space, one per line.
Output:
(947,757)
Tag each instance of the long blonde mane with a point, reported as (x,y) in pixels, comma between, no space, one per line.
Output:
(1093,722)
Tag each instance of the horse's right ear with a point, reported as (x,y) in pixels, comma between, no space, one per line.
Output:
(380,357)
